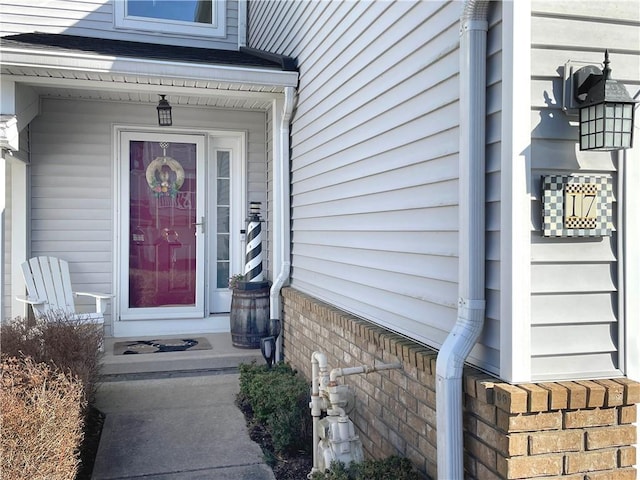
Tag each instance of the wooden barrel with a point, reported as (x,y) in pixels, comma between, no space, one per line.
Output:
(249,314)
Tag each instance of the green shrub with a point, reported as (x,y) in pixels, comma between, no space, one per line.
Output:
(392,468)
(279,399)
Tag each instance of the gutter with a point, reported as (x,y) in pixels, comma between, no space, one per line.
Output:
(281,213)
(471,303)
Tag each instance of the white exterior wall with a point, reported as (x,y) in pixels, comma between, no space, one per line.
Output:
(375,158)
(95,18)
(72,177)
(576,319)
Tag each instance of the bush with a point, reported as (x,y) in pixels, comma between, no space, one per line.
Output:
(71,345)
(392,468)
(42,413)
(279,399)
(49,378)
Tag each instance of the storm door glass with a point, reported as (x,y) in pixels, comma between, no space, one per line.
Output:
(162,222)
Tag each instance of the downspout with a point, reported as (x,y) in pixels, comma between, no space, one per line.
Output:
(471,302)
(281,213)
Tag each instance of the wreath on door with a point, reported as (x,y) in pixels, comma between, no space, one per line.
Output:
(165,176)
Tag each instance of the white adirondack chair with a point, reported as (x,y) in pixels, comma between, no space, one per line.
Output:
(49,290)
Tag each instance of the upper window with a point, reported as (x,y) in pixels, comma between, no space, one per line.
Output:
(188,17)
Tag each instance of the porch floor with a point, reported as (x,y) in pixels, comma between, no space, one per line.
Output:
(222,358)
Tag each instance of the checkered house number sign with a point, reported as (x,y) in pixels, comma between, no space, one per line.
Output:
(577,206)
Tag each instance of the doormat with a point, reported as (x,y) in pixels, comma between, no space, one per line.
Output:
(159,346)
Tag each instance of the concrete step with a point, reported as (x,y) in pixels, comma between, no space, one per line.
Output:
(222,357)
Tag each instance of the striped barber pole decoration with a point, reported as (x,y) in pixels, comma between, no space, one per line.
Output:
(253,259)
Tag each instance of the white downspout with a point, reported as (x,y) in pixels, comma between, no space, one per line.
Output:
(281,212)
(471,303)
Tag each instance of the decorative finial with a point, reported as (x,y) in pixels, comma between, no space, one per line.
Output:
(606,72)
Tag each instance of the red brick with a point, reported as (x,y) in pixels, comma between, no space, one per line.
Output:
(510,398)
(590,461)
(606,437)
(596,417)
(527,467)
(553,442)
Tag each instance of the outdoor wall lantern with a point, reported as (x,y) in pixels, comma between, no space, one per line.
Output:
(605,108)
(164,112)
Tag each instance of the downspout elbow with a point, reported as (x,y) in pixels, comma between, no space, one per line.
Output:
(461,339)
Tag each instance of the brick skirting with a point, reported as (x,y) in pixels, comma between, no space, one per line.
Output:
(580,430)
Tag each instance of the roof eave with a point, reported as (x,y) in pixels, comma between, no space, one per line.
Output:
(128,66)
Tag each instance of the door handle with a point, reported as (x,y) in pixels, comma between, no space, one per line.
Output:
(201,223)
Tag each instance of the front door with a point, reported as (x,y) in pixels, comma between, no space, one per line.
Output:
(181,216)
(162,214)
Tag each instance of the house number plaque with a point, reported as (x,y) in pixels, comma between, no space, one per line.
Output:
(580,205)
(577,206)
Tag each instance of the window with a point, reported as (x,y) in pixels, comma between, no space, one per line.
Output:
(189,17)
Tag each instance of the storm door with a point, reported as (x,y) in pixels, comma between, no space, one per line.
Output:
(162,220)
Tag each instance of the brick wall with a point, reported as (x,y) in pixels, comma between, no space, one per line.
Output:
(579,430)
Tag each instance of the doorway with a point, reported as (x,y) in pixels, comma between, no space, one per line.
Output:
(181,206)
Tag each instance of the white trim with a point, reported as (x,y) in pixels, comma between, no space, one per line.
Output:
(515,227)
(242,23)
(217,28)
(237,143)
(19,213)
(212,324)
(631,254)
(136,67)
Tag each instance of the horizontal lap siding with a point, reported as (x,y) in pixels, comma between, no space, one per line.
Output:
(575,322)
(95,19)
(375,158)
(72,191)
(490,336)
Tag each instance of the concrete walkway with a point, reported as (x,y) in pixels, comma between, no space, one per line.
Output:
(177,426)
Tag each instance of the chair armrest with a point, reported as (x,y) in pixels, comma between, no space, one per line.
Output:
(30,300)
(101,299)
(95,295)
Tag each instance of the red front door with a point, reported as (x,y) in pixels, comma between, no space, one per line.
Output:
(162,222)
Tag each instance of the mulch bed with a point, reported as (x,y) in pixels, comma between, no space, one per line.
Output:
(285,467)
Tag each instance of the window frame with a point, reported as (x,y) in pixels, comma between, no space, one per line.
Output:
(174,27)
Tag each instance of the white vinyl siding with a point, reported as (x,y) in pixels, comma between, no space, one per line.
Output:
(491,331)
(73,194)
(375,159)
(95,18)
(576,329)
